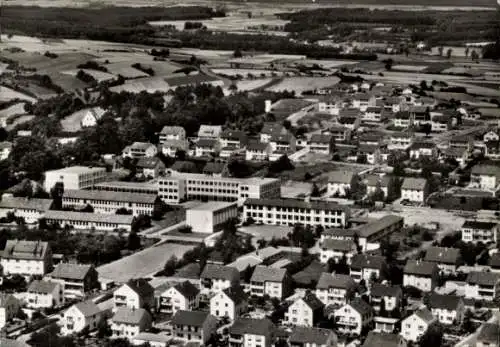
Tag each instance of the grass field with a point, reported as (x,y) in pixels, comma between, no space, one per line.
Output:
(409,68)
(7,94)
(301,84)
(72,123)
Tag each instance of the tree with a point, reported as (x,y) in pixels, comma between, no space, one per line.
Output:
(170,266)
(134,241)
(449,53)
(103,328)
(378,194)
(315,192)
(467,324)
(433,336)
(362,159)
(467,52)
(426,128)
(88,208)
(423,85)
(358,189)
(280,165)
(388,64)
(474,55)
(440,50)
(237,53)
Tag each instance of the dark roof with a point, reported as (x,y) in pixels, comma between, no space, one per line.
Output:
(132,316)
(448,302)
(257,146)
(380,224)
(11,202)
(418,145)
(282,138)
(361,306)
(345,177)
(88,308)
(328,280)
(338,232)
(105,195)
(420,268)
(71,271)
(272,128)
(380,290)
(189,79)
(172,130)
(141,287)
(42,287)
(373,180)
(309,275)
(366,148)
(215,271)
(425,315)
(187,289)
(495,260)
(442,255)
(312,301)
(244,326)
(490,333)
(363,261)
(213,167)
(210,143)
(338,245)
(192,318)
(349,113)
(236,294)
(149,163)
(20,249)
(313,336)
(296,203)
(233,135)
(474,224)
(371,137)
(268,274)
(414,183)
(402,115)
(483,278)
(321,138)
(382,339)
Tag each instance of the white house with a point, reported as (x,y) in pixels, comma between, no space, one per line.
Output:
(44,294)
(321,143)
(182,296)
(193,326)
(422,149)
(312,337)
(135,294)
(402,119)
(92,116)
(207,147)
(420,274)
(9,307)
(80,316)
(353,317)
(140,150)
(215,278)
(475,231)
(414,189)
(305,311)
(366,267)
(482,285)
(335,289)
(337,250)
(340,182)
(270,281)
(26,258)
(5,149)
(30,209)
(230,303)
(172,133)
(447,259)
(247,332)
(258,151)
(170,148)
(448,309)
(129,322)
(486,177)
(373,114)
(209,131)
(390,296)
(400,141)
(414,326)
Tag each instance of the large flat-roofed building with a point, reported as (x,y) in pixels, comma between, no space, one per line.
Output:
(128,187)
(110,202)
(26,258)
(172,190)
(295,211)
(87,221)
(75,177)
(376,230)
(211,216)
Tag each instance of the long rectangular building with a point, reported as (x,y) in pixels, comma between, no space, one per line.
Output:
(376,230)
(75,177)
(128,187)
(88,221)
(294,211)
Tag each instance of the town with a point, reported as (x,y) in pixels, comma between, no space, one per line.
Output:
(249,175)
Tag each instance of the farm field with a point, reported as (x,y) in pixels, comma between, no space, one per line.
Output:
(252,84)
(18,120)
(67,82)
(246,72)
(100,76)
(409,68)
(125,69)
(73,122)
(13,110)
(7,94)
(301,84)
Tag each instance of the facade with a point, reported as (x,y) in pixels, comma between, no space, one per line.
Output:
(337,250)
(258,151)
(422,149)
(340,182)
(92,116)
(335,289)
(486,177)
(402,119)
(169,133)
(89,221)
(293,211)
(283,143)
(135,294)
(477,231)
(377,339)
(30,209)
(422,275)
(207,147)
(247,332)
(5,149)
(400,141)
(321,144)
(414,189)
(447,259)
(170,148)
(44,294)
(305,311)
(233,139)
(150,168)
(365,267)
(183,296)
(482,286)
(26,258)
(448,309)
(209,131)
(75,177)
(9,307)
(193,326)
(375,231)
(215,278)
(231,303)
(340,133)
(130,322)
(140,150)
(354,317)
(390,296)
(211,216)
(414,326)
(270,281)
(373,114)
(82,315)
(76,280)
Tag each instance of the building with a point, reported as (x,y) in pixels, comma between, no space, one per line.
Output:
(170,148)
(377,339)
(270,129)
(414,189)
(305,311)
(82,315)
(340,133)
(374,183)
(105,202)
(233,139)
(366,267)
(482,285)
(337,250)
(151,167)
(172,133)
(321,143)
(193,326)
(448,309)
(312,337)
(400,141)
(373,114)
(128,187)
(9,307)
(30,209)
(340,183)
(207,147)
(182,296)
(447,259)
(209,131)
(5,149)
(129,322)
(293,211)
(230,302)
(335,289)
(283,143)
(151,339)
(216,278)
(402,119)
(44,294)
(371,152)
(478,231)
(422,149)
(371,233)
(89,221)
(338,234)
(75,177)
(422,275)
(353,318)
(211,216)
(486,177)
(258,151)
(26,258)
(390,296)
(489,335)
(247,332)
(140,150)
(92,116)
(76,280)
(414,326)
(270,281)
(135,294)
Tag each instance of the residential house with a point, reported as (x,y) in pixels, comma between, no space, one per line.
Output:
(367,267)
(422,149)
(494,262)
(385,324)
(448,309)
(92,116)
(491,135)
(248,332)
(209,131)
(129,322)
(371,138)
(335,289)
(30,209)
(422,275)
(339,133)
(135,294)
(206,147)
(44,294)
(388,297)
(172,133)
(258,151)
(362,101)
(340,183)
(5,149)
(460,155)
(321,143)
(486,177)
(378,339)
(489,335)
(373,114)
(151,339)
(170,148)
(400,141)
(482,285)
(414,189)
(216,278)
(371,152)
(475,231)
(464,142)
(337,250)
(233,139)
(373,183)
(393,104)
(414,326)
(447,259)
(312,337)
(305,311)
(492,150)
(150,167)
(440,123)
(193,326)
(402,119)
(140,150)
(231,303)
(271,129)
(283,143)
(420,114)
(370,234)
(270,281)
(182,296)
(26,258)
(9,307)
(354,318)
(77,280)
(338,234)
(82,315)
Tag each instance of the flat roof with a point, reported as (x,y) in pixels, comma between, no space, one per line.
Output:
(77,169)
(250,180)
(89,217)
(212,206)
(123,184)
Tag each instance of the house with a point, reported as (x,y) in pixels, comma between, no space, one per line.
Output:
(209,131)
(136,293)
(489,335)
(440,123)
(460,155)
(140,150)
(206,147)
(150,167)
(447,259)
(486,177)
(248,332)
(414,189)
(337,250)
(420,114)
(9,307)
(400,141)
(366,267)
(82,315)
(482,285)
(193,326)
(491,135)
(283,143)
(172,133)
(30,209)
(492,150)
(370,234)
(151,339)
(371,138)
(129,322)
(464,142)
(350,118)
(233,139)
(402,119)
(92,116)
(312,337)
(170,148)
(270,281)
(230,302)
(475,231)
(494,262)
(215,278)
(335,289)
(77,280)
(373,114)
(362,101)
(422,149)
(339,133)
(321,143)
(26,258)
(258,151)
(372,153)
(422,275)
(373,183)
(5,149)
(376,339)
(393,103)
(340,182)
(448,309)
(385,324)
(271,129)
(182,296)
(388,297)
(353,318)
(338,234)
(305,311)
(414,326)
(44,294)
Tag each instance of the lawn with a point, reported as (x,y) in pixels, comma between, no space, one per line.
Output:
(267,232)
(73,122)
(7,94)
(301,84)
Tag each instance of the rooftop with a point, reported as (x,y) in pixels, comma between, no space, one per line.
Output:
(71,271)
(363,261)
(442,255)
(242,326)
(10,202)
(328,280)
(214,271)
(133,316)
(344,177)
(268,274)
(77,170)
(448,302)
(89,217)
(296,203)
(411,183)
(382,339)
(88,308)
(212,206)
(338,245)
(102,195)
(192,318)
(380,290)
(420,268)
(312,336)
(379,225)
(483,278)
(20,249)
(42,287)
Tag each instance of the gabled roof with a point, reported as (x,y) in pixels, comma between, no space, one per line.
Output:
(414,183)
(191,318)
(344,177)
(141,287)
(328,280)
(20,249)
(321,138)
(209,130)
(71,271)
(425,315)
(88,308)
(338,232)
(261,327)
(379,290)
(421,145)
(338,245)
(42,287)
(483,278)
(236,294)
(475,224)
(494,261)
(442,255)
(312,301)
(11,202)
(282,138)
(141,145)
(132,316)
(420,268)
(257,146)
(172,130)
(104,195)
(273,128)
(349,113)
(486,170)
(206,143)
(178,144)
(360,306)
(312,336)
(268,274)
(148,163)
(448,302)
(221,272)
(382,340)
(373,180)
(187,289)
(233,135)
(402,115)
(364,261)
(379,225)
